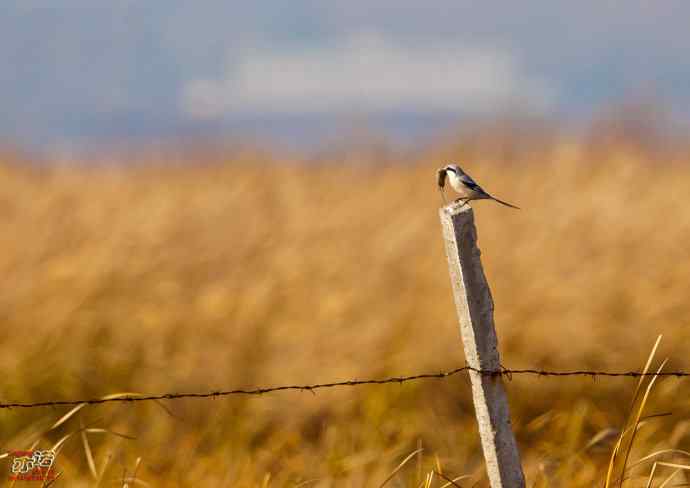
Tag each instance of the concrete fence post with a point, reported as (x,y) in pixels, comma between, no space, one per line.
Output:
(475,309)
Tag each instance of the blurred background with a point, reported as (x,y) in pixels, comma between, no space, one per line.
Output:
(79,73)
(228,195)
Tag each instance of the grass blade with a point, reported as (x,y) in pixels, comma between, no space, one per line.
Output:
(638,417)
(400,466)
(616,448)
(87,451)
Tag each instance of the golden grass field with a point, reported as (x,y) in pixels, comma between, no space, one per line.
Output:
(184,271)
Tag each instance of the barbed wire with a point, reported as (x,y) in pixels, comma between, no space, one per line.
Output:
(503,372)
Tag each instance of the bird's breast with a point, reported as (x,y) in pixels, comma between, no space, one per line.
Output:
(458,185)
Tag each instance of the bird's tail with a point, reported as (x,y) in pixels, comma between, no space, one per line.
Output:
(505,203)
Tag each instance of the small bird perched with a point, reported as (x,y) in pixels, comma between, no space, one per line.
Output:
(464,185)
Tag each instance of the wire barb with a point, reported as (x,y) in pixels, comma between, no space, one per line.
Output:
(502,372)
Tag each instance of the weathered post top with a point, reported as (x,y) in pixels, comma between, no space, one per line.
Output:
(475,308)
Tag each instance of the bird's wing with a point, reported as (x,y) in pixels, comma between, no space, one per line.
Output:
(441,176)
(471,184)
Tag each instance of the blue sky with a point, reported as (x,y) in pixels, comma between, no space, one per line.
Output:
(79,72)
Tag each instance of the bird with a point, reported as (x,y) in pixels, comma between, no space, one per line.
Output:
(464,185)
